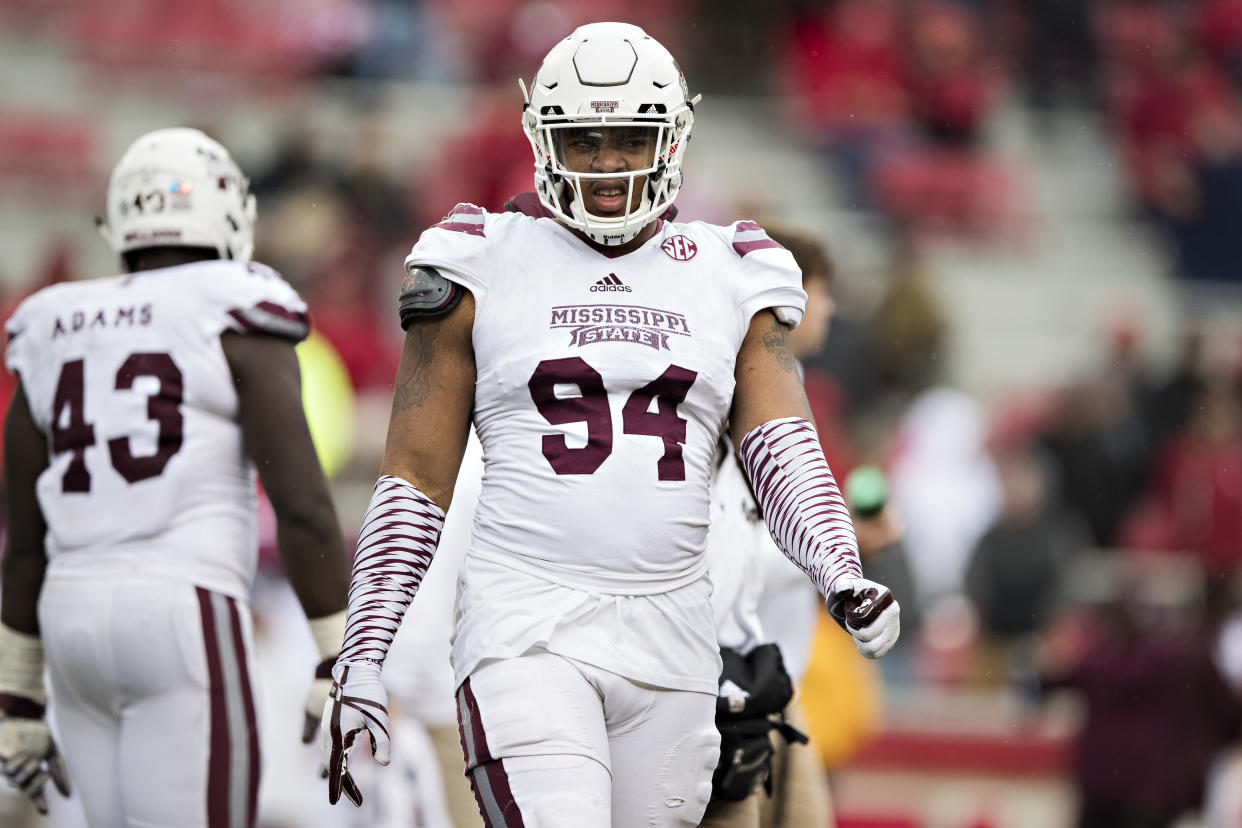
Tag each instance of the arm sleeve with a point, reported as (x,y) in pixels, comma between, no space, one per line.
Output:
(770,277)
(399,537)
(457,247)
(252,298)
(801,503)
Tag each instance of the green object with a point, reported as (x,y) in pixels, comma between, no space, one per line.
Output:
(866,490)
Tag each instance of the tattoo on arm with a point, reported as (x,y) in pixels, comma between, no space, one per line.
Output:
(776,341)
(414,376)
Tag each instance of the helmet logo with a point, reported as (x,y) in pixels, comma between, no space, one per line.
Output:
(679,248)
(605,106)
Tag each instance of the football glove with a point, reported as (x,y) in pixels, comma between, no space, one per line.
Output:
(28,756)
(356,704)
(316,697)
(867,611)
(328,632)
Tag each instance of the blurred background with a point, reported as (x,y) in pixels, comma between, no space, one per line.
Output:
(1034,208)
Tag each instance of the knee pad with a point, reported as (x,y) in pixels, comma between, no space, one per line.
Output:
(686,782)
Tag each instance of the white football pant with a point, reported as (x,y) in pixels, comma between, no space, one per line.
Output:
(152,687)
(555,743)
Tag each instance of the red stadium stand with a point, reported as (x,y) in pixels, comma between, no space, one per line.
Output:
(48,157)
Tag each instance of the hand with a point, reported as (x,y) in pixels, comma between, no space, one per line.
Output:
(316,697)
(357,703)
(868,612)
(28,756)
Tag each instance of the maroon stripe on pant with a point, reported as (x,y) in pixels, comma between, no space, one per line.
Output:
(490,783)
(488,778)
(218,752)
(477,736)
(252,725)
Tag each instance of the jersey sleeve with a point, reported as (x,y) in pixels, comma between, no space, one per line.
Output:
(252,298)
(770,277)
(457,247)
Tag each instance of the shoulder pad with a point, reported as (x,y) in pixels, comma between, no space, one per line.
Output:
(748,237)
(425,292)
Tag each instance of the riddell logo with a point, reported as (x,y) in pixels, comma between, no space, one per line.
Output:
(610,283)
(679,248)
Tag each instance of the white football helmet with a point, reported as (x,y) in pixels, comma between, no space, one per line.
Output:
(177,187)
(608,75)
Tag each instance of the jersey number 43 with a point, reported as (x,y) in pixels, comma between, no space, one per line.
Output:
(75,434)
(668,391)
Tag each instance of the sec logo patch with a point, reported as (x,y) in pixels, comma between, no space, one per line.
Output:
(679,248)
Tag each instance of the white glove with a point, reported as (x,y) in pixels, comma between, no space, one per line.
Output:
(327,631)
(868,612)
(316,697)
(28,756)
(357,703)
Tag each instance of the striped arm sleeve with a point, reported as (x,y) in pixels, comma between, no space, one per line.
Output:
(399,536)
(801,503)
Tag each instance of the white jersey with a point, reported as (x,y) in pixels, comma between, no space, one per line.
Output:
(603,385)
(733,558)
(127,379)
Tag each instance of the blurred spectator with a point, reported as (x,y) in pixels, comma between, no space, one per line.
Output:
(483,163)
(908,328)
(1167,400)
(1100,449)
(1179,118)
(1014,575)
(1196,500)
(1157,713)
(944,486)
(949,83)
(1058,53)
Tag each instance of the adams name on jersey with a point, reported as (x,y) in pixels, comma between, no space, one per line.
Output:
(127,379)
(603,383)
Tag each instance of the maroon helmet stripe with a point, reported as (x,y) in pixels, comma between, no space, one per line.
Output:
(218,751)
(251,725)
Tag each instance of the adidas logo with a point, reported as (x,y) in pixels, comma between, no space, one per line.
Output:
(610,283)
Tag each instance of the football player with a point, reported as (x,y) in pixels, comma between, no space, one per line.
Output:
(599,352)
(147,401)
